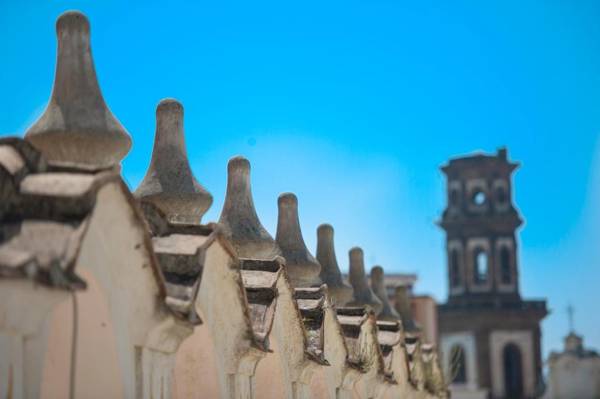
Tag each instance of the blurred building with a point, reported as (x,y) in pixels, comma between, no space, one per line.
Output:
(574,372)
(423,307)
(487,331)
(393,280)
(424,310)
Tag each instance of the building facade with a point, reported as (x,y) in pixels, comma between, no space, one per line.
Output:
(574,372)
(423,308)
(489,335)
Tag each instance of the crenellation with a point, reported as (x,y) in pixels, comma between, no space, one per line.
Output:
(156,304)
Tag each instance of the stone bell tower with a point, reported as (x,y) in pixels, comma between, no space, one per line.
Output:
(486,329)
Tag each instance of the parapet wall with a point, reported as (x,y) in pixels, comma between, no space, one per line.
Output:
(109,293)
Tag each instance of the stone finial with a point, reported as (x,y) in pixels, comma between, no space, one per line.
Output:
(239,218)
(169,183)
(302,268)
(378,287)
(340,293)
(434,376)
(77,126)
(402,305)
(363,295)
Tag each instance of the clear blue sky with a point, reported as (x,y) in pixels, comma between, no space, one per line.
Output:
(353,105)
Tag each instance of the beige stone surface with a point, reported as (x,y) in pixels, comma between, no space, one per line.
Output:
(97,374)
(195,373)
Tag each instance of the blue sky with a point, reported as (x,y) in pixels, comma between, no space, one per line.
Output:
(353,105)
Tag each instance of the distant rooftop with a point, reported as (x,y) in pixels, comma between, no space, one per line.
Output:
(393,280)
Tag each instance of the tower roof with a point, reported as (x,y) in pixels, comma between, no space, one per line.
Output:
(480,163)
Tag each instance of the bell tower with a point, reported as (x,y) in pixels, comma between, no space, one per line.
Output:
(490,333)
(480,221)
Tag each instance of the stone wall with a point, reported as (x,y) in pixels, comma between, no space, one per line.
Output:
(109,293)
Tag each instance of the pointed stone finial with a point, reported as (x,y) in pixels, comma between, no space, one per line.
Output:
(169,183)
(434,376)
(363,295)
(378,287)
(340,293)
(77,127)
(402,306)
(239,219)
(302,268)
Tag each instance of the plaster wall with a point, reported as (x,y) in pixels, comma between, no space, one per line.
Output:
(115,314)
(196,375)
(269,377)
(425,314)
(98,373)
(25,318)
(574,377)
(318,386)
